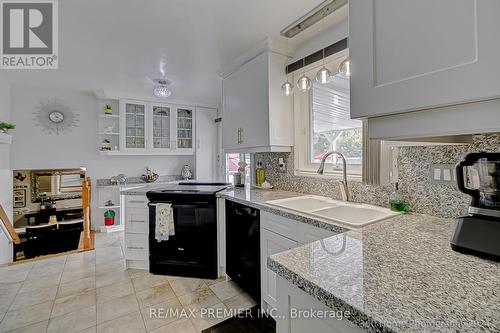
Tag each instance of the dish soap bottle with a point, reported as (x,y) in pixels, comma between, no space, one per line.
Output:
(260,174)
(396,202)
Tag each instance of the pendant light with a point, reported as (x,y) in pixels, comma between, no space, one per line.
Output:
(304,83)
(324,75)
(287,87)
(345,68)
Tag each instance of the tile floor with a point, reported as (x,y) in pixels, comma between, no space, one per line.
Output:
(93,292)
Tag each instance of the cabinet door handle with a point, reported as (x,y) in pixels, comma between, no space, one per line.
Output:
(241,135)
(137,221)
(137,201)
(136,248)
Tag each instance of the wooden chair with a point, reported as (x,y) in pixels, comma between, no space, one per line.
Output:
(40,240)
(68,235)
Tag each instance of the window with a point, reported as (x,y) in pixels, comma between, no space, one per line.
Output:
(233,163)
(323,124)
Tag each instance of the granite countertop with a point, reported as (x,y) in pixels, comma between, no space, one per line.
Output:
(397,275)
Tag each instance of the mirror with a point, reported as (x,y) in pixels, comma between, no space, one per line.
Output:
(58,184)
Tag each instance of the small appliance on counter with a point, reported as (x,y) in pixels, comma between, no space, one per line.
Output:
(478,233)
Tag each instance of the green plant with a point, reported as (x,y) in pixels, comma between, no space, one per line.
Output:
(6,126)
(108,107)
(106,141)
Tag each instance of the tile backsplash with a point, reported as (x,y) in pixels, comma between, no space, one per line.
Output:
(423,196)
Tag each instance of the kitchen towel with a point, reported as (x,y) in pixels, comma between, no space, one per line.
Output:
(164,224)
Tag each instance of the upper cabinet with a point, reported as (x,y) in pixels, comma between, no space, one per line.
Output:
(413,55)
(150,128)
(256,117)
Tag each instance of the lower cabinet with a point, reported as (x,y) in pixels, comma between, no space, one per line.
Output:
(294,310)
(271,243)
(136,249)
(278,234)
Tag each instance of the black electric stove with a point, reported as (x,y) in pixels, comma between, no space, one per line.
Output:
(192,251)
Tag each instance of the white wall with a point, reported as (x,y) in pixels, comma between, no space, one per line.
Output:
(33,149)
(5,173)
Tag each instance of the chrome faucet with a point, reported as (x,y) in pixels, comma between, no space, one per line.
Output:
(343,183)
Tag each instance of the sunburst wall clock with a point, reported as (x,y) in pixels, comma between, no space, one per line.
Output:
(54,117)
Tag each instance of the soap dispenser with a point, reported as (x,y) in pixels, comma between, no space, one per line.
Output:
(260,174)
(397,203)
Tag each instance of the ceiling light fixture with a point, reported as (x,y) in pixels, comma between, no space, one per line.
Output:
(304,83)
(345,68)
(324,75)
(161,89)
(287,87)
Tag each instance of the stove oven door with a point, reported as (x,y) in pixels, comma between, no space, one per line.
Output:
(192,251)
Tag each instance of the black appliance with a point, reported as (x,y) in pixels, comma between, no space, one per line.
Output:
(243,247)
(478,233)
(192,251)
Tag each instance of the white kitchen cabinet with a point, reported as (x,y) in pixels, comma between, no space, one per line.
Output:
(150,128)
(134,125)
(291,298)
(136,221)
(206,144)
(256,117)
(271,243)
(278,234)
(413,55)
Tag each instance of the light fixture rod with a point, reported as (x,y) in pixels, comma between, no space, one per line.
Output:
(312,17)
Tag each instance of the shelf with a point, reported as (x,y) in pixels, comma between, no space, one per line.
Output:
(5,138)
(109,207)
(147,153)
(112,133)
(111,228)
(109,116)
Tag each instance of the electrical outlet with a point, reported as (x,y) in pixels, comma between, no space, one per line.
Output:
(282,164)
(443,173)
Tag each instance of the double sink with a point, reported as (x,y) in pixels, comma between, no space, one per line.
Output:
(348,213)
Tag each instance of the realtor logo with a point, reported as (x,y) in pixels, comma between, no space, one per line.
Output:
(29,34)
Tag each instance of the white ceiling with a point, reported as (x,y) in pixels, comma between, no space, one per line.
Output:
(117,44)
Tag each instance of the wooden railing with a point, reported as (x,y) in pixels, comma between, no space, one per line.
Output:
(8,226)
(85,238)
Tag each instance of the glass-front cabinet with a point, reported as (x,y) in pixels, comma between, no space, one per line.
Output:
(156,128)
(135,125)
(185,119)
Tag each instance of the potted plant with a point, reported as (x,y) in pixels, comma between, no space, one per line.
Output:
(105,145)
(5,127)
(108,110)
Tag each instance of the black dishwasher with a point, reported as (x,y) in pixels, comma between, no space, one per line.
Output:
(243,247)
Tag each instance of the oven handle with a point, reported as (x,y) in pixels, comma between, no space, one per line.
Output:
(154,204)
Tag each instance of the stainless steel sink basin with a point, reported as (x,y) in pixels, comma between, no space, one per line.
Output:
(342,212)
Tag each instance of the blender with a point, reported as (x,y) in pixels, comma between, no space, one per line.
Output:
(478,233)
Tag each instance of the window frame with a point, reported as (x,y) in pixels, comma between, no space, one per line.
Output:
(302,127)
